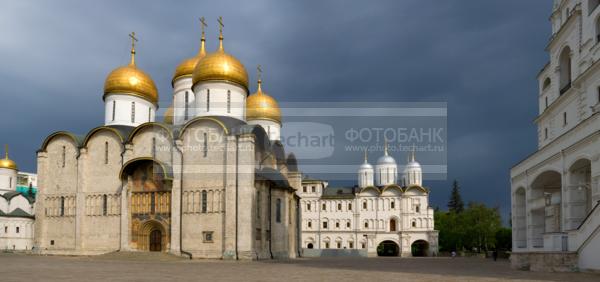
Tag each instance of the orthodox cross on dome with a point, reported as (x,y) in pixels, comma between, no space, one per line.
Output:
(385,145)
(202,25)
(6,151)
(221,25)
(366,150)
(133,40)
(259,70)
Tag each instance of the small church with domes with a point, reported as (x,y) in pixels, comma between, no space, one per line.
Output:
(381,216)
(212,180)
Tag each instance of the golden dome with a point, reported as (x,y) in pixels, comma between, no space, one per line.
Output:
(186,68)
(262,106)
(169,113)
(6,162)
(131,80)
(220,66)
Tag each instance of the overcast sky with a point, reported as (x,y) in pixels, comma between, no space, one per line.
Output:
(481,57)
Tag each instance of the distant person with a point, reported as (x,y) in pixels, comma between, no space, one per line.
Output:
(453,254)
(495,254)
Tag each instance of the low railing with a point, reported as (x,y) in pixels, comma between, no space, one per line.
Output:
(537,242)
(565,88)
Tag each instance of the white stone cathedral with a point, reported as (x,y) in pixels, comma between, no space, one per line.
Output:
(16,208)
(211,181)
(554,191)
(380,216)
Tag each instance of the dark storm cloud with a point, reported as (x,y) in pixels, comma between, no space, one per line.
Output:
(481,57)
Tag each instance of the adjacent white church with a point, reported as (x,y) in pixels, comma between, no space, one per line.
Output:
(17,212)
(555,193)
(382,215)
(211,181)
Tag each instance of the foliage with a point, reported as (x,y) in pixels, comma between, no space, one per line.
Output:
(456,203)
(477,227)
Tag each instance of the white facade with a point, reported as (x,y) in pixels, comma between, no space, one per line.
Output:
(184,100)
(386,170)
(220,99)
(372,220)
(8,179)
(555,190)
(16,213)
(272,128)
(128,110)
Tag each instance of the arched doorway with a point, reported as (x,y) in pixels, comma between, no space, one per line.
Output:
(520,219)
(149,183)
(388,249)
(545,206)
(392,224)
(155,240)
(578,193)
(419,248)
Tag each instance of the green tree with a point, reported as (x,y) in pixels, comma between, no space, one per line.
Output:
(456,203)
(504,239)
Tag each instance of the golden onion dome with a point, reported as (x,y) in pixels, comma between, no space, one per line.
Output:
(220,66)
(169,113)
(6,162)
(262,106)
(131,80)
(186,68)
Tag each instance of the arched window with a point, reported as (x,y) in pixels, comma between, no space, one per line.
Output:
(278,210)
(350,206)
(228,101)
(326,245)
(186,102)
(546,84)
(307,206)
(392,205)
(365,205)
(114,107)
(565,70)
(205,146)
(310,245)
(366,224)
(339,206)
(207,100)
(417,208)
(64,155)
(149,114)
(104,205)
(324,206)
(339,245)
(309,224)
(348,224)
(62,206)
(204,201)
(414,223)
(392,224)
(337,224)
(153,147)
(132,112)
(106,152)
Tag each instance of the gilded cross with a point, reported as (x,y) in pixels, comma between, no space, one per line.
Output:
(133,39)
(202,24)
(259,69)
(221,25)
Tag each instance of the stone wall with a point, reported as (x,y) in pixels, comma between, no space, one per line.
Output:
(545,261)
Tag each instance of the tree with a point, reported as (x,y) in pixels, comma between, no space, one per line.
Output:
(455,204)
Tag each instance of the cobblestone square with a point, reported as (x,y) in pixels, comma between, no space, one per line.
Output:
(160,267)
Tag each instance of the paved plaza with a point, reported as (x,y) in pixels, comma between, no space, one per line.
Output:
(144,267)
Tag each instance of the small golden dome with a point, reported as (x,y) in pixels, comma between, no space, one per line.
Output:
(131,80)
(6,162)
(169,113)
(262,106)
(186,68)
(220,66)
